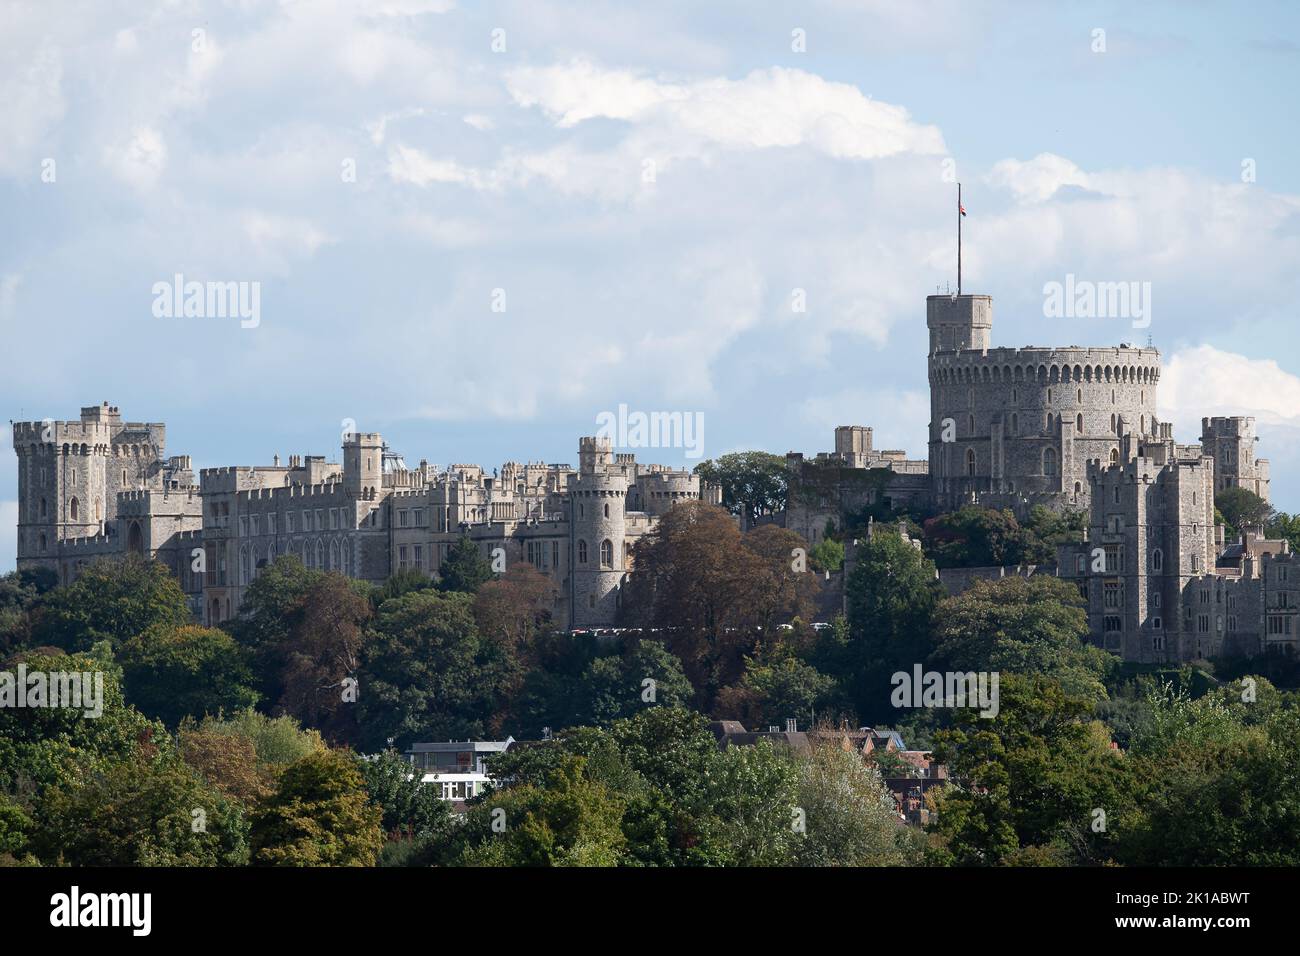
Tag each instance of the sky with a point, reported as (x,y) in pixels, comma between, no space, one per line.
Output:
(476,227)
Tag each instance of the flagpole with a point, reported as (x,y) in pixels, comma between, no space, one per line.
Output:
(959,238)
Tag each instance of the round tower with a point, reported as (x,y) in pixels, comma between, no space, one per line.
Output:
(598,533)
(1011,428)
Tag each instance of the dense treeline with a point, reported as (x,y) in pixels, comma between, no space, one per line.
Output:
(238,745)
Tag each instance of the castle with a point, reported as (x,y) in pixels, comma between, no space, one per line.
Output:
(1066,428)
(100,487)
(1076,428)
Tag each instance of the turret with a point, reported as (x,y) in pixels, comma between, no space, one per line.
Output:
(363,464)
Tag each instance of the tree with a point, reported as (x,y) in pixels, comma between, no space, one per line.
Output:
(320,814)
(111,601)
(849,816)
(570,821)
(753,796)
(1033,777)
(227,762)
(186,671)
(323,655)
(1033,625)
(778,689)
(273,605)
(827,555)
(43,747)
(402,581)
(1241,509)
(890,595)
(464,569)
(428,673)
(1223,797)
(20,591)
(615,687)
(141,812)
(515,607)
(277,741)
(754,483)
(408,805)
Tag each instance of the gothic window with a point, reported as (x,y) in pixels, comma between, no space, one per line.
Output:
(42,507)
(606,554)
(74,509)
(607,510)
(1114,456)
(970,462)
(582,551)
(1078,423)
(1157,560)
(1049,461)
(42,540)
(970,424)
(243,565)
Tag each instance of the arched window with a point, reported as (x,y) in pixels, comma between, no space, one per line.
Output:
(334,555)
(42,540)
(320,554)
(74,509)
(582,551)
(970,462)
(606,554)
(1015,424)
(243,565)
(1157,560)
(1114,456)
(606,509)
(1078,423)
(42,507)
(1049,461)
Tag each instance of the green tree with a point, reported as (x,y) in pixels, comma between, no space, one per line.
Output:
(428,673)
(1033,777)
(43,747)
(1241,508)
(570,821)
(141,812)
(408,805)
(1033,625)
(464,569)
(890,595)
(185,671)
(827,555)
(320,814)
(754,483)
(849,816)
(614,687)
(111,601)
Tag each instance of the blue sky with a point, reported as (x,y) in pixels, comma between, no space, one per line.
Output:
(221,156)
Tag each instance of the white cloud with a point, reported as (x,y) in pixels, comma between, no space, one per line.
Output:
(775,107)
(1039,178)
(1206,381)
